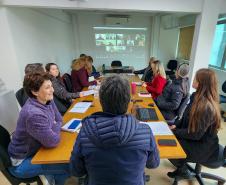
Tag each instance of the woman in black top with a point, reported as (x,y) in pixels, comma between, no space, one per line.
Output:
(147,72)
(197,131)
(62,97)
(174,93)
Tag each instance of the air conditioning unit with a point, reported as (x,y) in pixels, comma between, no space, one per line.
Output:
(116,20)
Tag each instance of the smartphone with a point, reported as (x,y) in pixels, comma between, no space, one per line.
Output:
(87,101)
(167,142)
(151,104)
(144,92)
(139,100)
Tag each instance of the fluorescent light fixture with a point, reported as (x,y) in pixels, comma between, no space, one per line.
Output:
(118,28)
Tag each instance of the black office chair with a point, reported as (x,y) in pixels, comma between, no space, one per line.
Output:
(5,162)
(199,175)
(67,82)
(116,63)
(223,99)
(172,66)
(21,97)
(180,110)
(61,105)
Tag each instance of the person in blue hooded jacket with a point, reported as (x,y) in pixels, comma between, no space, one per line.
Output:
(113,148)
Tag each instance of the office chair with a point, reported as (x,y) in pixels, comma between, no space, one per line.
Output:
(67,82)
(180,110)
(199,175)
(61,105)
(223,99)
(172,66)
(5,162)
(21,97)
(116,63)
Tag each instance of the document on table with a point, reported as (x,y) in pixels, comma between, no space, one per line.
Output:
(81,107)
(74,125)
(159,128)
(87,93)
(138,83)
(91,78)
(145,95)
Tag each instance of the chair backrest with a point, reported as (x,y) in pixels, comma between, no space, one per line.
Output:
(61,105)
(116,63)
(172,65)
(220,160)
(4,143)
(67,82)
(21,96)
(224,87)
(182,107)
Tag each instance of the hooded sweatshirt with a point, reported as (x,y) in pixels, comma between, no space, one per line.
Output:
(113,150)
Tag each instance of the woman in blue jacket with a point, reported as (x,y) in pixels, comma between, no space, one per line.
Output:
(112,147)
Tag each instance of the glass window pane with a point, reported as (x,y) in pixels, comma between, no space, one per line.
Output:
(218,46)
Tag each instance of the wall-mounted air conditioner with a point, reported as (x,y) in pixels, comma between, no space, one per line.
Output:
(117,20)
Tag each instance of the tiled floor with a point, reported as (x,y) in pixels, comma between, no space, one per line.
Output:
(159,177)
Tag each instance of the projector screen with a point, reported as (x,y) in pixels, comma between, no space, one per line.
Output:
(125,44)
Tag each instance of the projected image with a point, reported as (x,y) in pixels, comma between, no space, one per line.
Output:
(114,42)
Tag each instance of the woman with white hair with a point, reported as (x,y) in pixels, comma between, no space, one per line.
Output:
(169,101)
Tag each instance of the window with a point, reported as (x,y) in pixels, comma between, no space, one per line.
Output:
(218,53)
(185,42)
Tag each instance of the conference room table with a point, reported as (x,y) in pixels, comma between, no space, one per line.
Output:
(62,153)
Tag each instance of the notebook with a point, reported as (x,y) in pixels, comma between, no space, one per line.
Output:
(73,125)
(159,128)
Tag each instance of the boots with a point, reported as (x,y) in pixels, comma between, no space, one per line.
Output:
(182,172)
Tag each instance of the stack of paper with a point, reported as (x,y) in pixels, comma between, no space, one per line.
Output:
(87,93)
(159,128)
(73,125)
(91,78)
(138,83)
(81,107)
(147,95)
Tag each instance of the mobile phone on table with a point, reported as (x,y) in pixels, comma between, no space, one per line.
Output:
(143,92)
(167,142)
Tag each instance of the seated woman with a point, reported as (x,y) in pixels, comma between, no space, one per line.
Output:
(94,73)
(156,86)
(59,89)
(169,101)
(112,147)
(147,72)
(38,125)
(197,130)
(81,70)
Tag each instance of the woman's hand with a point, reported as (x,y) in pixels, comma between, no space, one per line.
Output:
(98,82)
(144,85)
(173,127)
(81,94)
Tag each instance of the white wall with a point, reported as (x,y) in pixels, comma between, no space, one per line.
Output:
(85,22)
(168,39)
(119,5)
(9,72)
(41,36)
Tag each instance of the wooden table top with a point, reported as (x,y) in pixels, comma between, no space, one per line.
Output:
(62,153)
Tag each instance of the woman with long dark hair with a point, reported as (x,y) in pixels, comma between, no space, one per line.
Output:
(197,131)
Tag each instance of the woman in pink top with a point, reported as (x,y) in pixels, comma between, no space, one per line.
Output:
(81,69)
(156,86)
